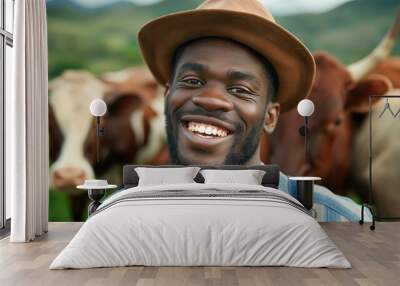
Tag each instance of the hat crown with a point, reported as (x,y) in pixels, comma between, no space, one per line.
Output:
(245,6)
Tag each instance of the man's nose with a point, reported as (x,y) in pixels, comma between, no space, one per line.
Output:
(213,98)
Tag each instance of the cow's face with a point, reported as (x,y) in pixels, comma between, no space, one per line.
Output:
(329,121)
(335,97)
(69,123)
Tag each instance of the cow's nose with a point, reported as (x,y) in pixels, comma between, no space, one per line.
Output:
(68,177)
(213,99)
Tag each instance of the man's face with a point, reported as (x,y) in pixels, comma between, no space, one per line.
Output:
(216,104)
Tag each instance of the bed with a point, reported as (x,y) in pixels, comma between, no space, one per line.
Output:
(201,223)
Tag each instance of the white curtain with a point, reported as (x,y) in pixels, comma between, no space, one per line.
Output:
(27,124)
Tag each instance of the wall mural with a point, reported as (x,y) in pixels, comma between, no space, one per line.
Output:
(94,54)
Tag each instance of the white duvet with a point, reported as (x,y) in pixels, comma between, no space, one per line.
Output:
(139,227)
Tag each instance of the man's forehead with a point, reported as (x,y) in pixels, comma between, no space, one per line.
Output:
(207,47)
(207,52)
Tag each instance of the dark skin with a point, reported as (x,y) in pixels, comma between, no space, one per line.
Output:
(220,85)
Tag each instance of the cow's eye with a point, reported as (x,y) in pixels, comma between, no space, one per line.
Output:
(338,121)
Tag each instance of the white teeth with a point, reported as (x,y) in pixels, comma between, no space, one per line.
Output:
(207,129)
(201,129)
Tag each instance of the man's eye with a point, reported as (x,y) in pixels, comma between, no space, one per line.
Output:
(193,81)
(242,93)
(238,90)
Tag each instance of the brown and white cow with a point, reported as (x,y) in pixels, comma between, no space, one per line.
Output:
(337,93)
(133,123)
(69,125)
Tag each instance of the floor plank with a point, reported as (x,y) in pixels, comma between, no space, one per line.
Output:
(374,255)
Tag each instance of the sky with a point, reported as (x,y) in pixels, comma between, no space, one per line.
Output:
(286,7)
(277,7)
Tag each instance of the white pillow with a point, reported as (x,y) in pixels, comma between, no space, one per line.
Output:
(163,176)
(248,177)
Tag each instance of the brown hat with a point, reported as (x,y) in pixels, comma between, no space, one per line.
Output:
(245,21)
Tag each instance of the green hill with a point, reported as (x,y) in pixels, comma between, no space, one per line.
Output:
(350,31)
(103,39)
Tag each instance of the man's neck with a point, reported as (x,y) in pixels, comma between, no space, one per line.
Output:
(255,159)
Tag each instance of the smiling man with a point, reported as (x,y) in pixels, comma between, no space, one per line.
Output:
(229,70)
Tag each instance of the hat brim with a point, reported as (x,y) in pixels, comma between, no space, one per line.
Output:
(292,61)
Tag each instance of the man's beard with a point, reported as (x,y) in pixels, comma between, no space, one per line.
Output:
(241,156)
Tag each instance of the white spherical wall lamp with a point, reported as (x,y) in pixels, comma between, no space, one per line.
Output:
(98,107)
(305,107)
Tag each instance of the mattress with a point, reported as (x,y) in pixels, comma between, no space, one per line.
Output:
(200,225)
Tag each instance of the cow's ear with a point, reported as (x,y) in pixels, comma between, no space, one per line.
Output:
(324,60)
(358,97)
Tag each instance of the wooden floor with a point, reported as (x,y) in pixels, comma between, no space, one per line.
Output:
(374,255)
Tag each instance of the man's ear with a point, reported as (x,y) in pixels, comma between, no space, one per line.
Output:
(271,117)
(357,100)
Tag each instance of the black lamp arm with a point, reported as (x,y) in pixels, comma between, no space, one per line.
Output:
(305,132)
(100,131)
